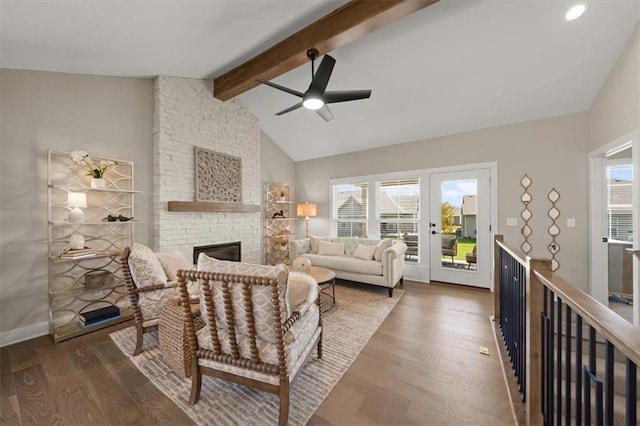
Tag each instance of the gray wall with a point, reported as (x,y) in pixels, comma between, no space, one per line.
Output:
(105,116)
(616,109)
(551,151)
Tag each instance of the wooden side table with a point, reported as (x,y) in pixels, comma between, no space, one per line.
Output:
(172,332)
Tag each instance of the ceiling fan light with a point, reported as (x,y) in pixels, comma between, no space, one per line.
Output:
(313,103)
(575,12)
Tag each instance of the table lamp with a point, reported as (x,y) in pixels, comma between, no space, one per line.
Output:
(77,201)
(307,210)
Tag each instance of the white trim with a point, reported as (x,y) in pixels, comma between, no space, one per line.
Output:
(24,333)
(598,257)
(419,271)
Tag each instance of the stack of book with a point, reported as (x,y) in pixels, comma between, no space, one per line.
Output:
(99,315)
(70,254)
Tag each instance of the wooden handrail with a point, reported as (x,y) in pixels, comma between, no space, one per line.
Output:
(515,253)
(621,333)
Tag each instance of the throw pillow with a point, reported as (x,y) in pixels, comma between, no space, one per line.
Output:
(331,249)
(381,247)
(172,261)
(146,269)
(315,243)
(364,252)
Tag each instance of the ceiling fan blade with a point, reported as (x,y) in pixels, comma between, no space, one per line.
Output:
(321,79)
(291,108)
(325,113)
(345,96)
(284,89)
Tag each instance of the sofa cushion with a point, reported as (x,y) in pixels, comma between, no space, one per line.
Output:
(364,252)
(146,269)
(315,243)
(346,263)
(381,247)
(331,249)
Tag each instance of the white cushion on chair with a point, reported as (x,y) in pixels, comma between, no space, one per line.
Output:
(146,269)
(172,261)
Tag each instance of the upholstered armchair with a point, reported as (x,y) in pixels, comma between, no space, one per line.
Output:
(450,246)
(150,279)
(261,324)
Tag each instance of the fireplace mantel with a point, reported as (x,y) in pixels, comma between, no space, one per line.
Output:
(206,206)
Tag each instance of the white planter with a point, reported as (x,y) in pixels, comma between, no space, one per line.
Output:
(98,183)
(283,248)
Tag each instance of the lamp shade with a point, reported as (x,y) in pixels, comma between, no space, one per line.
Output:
(77,199)
(307,210)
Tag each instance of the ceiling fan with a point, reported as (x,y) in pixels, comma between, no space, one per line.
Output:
(317,97)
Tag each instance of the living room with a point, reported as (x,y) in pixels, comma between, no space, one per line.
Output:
(156,122)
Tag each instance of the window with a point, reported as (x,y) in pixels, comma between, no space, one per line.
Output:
(350,209)
(619,203)
(398,212)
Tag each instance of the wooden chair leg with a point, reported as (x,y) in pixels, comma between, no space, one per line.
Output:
(284,403)
(196,381)
(139,334)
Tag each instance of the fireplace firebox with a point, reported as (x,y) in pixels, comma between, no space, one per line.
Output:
(225,251)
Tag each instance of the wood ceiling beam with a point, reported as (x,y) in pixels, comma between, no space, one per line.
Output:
(340,27)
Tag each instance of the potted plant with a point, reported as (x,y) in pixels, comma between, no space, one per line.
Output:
(95,169)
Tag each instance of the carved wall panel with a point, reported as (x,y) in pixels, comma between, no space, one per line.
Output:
(218,177)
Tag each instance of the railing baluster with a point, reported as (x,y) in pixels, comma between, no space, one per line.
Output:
(567,369)
(632,394)
(578,411)
(608,382)
(558,362)
(550,354)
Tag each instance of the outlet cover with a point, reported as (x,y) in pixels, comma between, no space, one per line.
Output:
(512,221)
(571,222)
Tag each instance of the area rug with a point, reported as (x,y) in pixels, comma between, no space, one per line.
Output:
(348,326)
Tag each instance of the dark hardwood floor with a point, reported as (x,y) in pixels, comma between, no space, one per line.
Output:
(422,366)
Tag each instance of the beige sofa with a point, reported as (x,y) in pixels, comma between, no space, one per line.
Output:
(385,270)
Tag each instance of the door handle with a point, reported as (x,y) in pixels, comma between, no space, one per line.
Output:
(434,232)
(605,239)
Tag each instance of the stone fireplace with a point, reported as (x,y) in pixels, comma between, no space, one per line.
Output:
(187,115)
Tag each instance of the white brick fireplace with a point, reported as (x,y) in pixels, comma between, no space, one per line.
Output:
(187,115)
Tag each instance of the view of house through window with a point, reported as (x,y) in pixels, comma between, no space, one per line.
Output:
(619,202)
(398,213)
(459,224)
(350,209)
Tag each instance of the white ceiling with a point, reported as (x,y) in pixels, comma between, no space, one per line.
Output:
(456,66)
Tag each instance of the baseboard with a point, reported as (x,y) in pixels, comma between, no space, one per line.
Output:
(24,333)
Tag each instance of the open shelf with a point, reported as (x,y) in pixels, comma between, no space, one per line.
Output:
(73,329)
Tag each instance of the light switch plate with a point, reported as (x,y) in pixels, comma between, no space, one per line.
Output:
(512,221)
(571,222)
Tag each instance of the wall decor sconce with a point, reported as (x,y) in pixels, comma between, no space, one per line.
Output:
(307,210)
(76,201)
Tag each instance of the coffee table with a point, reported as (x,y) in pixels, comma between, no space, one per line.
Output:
(326,280)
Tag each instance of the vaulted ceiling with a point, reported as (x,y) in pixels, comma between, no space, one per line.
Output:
(455,66)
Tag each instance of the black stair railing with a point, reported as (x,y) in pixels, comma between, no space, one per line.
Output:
(512,315)
(579,364)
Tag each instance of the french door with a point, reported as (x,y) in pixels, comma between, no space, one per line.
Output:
(459,227)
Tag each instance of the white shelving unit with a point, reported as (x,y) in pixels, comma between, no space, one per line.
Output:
(68,295)
(279,229)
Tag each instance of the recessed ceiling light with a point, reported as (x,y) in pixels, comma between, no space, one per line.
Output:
(575,12)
